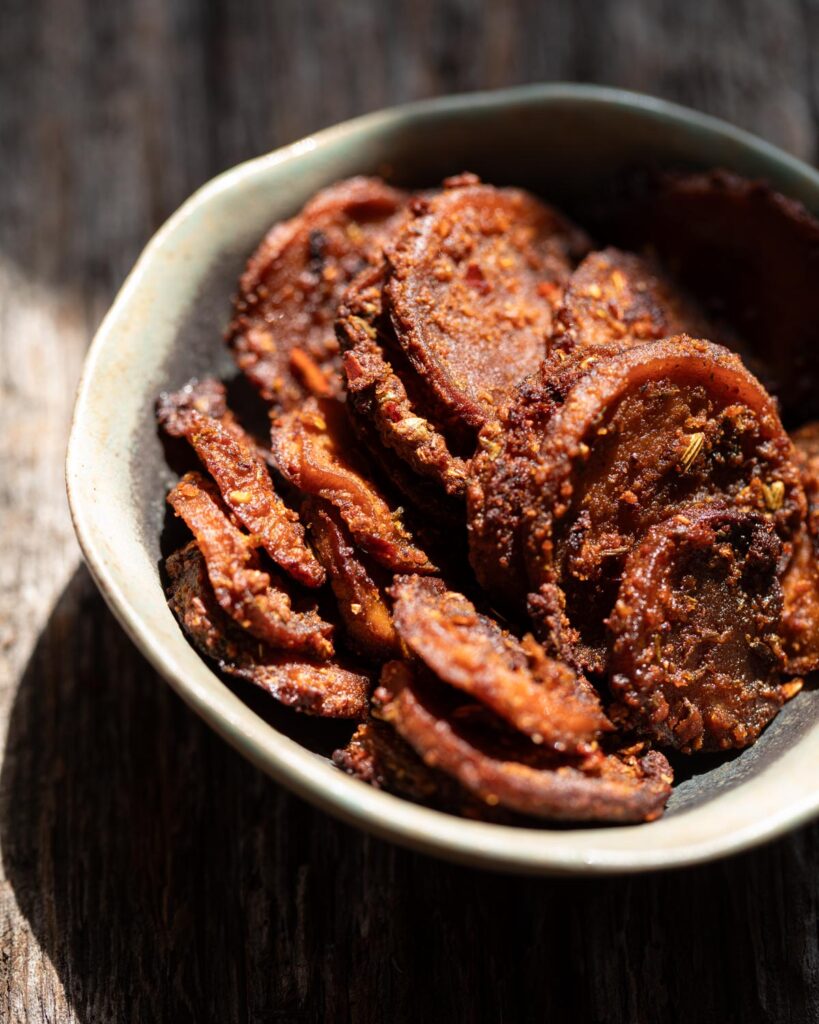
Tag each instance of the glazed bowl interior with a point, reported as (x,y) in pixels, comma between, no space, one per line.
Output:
(563,142)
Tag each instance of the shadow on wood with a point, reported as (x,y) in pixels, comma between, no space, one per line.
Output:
(167,879)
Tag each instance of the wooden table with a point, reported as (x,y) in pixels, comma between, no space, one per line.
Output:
(148,872)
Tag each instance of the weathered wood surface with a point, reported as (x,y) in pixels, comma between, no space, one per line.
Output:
(148,873)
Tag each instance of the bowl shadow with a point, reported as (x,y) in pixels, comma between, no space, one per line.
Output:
(167,879)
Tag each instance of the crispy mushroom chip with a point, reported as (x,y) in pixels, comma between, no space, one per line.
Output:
(199,414)
(696,653)
(618,297)
(644,432)
(282,331)
(379,396)
(377,755)
(314,687)
(538,696)
(500,473)
(312,447)
(506,769)
(243,589)
(362,604)
(474,277)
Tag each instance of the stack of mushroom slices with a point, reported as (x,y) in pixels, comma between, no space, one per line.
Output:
(526,514)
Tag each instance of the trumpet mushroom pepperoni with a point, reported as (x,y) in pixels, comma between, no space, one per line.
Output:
(515,679)
(500,471)
(315,687)
(312,448)
(377,755)
(243,589)
(378,395)
(282,331)
(362,604)
(199,415)
(507,770)
(207,397)
(696,652)
(616,297)
(474,276)
(656,427)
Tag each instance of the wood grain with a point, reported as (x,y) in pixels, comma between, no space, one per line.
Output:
(148,873)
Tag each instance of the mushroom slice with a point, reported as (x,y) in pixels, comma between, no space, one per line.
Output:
(199,414)
(282,330)
(507,770)
(243,589)
(358,588)
(474,276)
(314,687)
(619,298)
(516,679)
(696,652)
(501,471)
(645,432)
(378,394)
(313,449)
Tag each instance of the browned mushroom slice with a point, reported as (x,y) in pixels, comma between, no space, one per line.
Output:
(749,254)
(361,601)
(378,395)
(537,695)
(617,297)
(800,624)
(506,769)
(502,471)
(659,426)
(314,687)
(206,396)
(696,652)
(377,755)
(242,477)
(312,448)
(474,277)
(282,331)
(247,593)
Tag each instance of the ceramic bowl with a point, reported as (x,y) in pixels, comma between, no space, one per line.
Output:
(165,326)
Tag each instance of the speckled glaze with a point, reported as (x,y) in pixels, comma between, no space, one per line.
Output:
(165,326)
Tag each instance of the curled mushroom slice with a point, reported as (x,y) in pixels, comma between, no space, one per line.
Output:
(538,696)
(696,652)
(362,604)
(206,397)
(314,687)
(378,395)
(229,456)
(313,449)
(800,624)
(500,472)
(282,331)
(474,277)
(659,426)
(618,297)
(507,770)
(746,252)
(247,593)
(377,755)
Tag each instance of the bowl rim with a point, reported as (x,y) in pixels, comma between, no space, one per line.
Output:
(496,847)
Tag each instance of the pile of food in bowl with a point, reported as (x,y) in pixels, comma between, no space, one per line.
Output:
(527,513)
